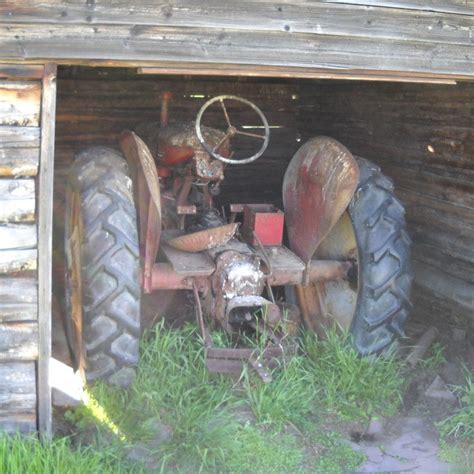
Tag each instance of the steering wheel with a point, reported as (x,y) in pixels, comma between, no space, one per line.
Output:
(232,131)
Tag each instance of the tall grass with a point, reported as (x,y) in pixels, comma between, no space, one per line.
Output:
(352,386)
(20,455)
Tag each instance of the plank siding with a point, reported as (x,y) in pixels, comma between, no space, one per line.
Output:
(20,103)
(19,151)
(398,37)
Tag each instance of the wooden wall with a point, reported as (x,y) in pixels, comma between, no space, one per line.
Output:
(404,37)
(423,138)
(20,107)
(27,98)
(421,135)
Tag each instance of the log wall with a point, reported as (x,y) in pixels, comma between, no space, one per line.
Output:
(421,135)
(23,139)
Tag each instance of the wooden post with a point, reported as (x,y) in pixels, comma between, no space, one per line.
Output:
(45,231)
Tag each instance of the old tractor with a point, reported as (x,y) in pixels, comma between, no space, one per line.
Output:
(144,219)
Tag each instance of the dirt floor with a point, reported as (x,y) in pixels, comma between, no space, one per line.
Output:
(409,441)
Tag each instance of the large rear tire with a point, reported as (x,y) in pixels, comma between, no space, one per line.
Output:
(103,278)
(373,304)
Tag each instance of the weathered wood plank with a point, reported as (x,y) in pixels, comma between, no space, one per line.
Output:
(462,7)
(17,200)
(19,103)
(19,151)
(18,299)
(15,71)
(297,17)
(12,261)
(17,236)
(18,341)
(137,45)
(17,397)
(45,251)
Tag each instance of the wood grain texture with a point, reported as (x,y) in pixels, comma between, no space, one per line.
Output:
(17,236)
(18,341)
(45,251)
(297,17)
(13,261)
(18,299)
(19,103)
(15,72)
(17,397)
(121,44)
(19,151)
(17,200)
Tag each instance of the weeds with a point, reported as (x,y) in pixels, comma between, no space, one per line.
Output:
(351,386)
(435,358)
(21,454)
(460,425)
(186,418)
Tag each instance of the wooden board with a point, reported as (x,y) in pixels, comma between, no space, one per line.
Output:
(17,236)
(18,299)
(19,151)
(145,45)
(17,397)
(12,261)
(297,17)
(18,341)
(45,251)
(15,71)
(20,103)
(17,200)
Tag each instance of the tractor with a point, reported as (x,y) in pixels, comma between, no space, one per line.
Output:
(145,219)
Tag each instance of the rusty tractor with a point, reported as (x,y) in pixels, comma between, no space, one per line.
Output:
(144,219)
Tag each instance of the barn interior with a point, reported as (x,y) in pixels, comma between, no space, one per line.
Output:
(420,134)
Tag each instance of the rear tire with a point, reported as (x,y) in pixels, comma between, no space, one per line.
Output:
(99,193)
(374,304)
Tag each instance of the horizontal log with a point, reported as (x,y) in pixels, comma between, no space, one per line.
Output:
(12,261)
(20,103)
(139,45)
(19,161)
(17,200)
(17,236)
(273,16)
(18,299)
(17,397)
(18,341)
(16,71)
(19,137)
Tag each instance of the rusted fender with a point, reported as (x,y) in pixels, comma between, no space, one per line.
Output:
(318,186)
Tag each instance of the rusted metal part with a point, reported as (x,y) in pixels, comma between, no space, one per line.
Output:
(206,168)
(318,186)
(165,277)
(264,220)
(204,239)
(200,318)
(190,264)
(215,147)
(147,196)
(165,101)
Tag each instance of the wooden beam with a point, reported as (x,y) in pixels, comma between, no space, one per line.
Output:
(17,236)
(129,45)
(18,397)
(12,261)
(18,341)
(19,103)
(295,17)
(223,70)
(45,254)
(12,71)
(17,200)
(18,299)
(19,151)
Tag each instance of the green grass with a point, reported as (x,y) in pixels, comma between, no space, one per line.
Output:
(460,425)
(19,455)
(351,386)
(201,413)
(435,357)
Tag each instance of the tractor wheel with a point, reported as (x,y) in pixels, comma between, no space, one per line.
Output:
(373,303)
(102,277)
